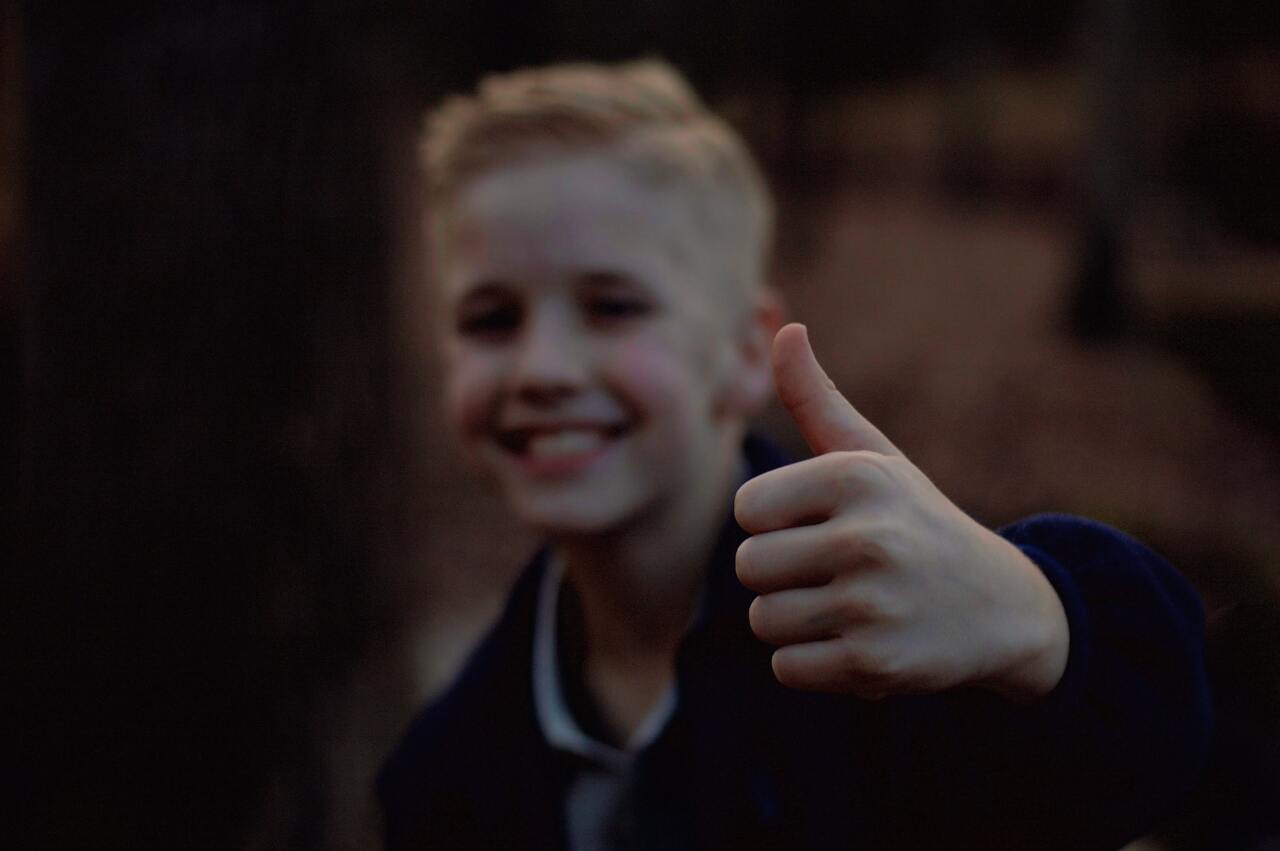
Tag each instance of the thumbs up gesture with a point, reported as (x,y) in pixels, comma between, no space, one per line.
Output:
(871,581)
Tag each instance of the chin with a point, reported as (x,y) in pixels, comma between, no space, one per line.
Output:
(584,517)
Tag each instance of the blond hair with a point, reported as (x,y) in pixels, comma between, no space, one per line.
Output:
(643,114)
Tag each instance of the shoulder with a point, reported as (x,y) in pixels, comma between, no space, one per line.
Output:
(762,454)
(440,745)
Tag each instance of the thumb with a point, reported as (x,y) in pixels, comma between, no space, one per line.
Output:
(825,418)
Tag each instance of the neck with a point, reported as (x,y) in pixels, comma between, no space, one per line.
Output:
(638,585)
(639,589)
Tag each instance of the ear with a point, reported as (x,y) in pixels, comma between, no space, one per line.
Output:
(750,378)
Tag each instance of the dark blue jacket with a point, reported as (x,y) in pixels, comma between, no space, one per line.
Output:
(746,763)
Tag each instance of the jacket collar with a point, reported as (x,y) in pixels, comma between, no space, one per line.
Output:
(490,709)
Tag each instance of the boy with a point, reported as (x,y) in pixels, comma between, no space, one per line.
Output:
(601,240)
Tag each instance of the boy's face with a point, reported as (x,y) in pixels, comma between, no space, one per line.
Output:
(589,366)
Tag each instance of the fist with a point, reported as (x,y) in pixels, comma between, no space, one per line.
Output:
(871,581)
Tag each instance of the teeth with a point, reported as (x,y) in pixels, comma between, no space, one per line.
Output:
(561,443)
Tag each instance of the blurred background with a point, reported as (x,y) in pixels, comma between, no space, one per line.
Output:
(1037,244)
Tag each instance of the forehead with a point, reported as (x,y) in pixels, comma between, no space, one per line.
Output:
(571,213)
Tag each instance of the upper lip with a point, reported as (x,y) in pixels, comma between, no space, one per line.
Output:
(560,425)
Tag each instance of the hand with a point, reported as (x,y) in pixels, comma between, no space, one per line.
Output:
(871,581)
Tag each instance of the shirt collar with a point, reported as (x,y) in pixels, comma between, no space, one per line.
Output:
(554,718)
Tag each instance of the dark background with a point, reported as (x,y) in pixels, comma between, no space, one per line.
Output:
(1039,245)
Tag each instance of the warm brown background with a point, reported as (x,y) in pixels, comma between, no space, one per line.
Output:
(1040,247)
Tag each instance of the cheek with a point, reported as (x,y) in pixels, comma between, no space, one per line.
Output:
(471,392)
(661,378)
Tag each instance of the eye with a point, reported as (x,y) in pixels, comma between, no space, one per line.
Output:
(489,320)
(616,307)
(608,297)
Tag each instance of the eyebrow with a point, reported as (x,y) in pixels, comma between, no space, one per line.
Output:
(607,279)
(484,290)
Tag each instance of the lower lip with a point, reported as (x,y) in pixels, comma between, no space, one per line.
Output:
(562,466)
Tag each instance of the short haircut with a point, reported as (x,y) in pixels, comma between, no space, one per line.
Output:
(643,114)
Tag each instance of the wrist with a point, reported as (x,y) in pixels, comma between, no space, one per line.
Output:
(1041,641)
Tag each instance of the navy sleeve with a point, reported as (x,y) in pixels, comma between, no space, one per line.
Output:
(1102,759)
(1126,731)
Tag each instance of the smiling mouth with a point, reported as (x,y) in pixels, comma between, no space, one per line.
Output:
(555,443)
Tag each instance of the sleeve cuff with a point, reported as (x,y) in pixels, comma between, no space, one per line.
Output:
(1067,695)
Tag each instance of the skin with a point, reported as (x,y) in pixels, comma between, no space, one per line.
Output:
(871,581)
(594,374)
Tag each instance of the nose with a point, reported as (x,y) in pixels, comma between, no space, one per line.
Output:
(550,361)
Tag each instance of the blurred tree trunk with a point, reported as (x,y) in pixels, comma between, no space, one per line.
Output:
(207,428)
(10,195)
(1100,305)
